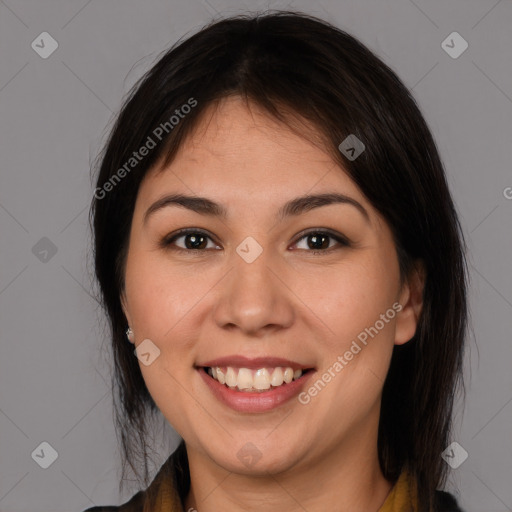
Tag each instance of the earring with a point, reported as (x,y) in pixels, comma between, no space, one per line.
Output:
(130,335)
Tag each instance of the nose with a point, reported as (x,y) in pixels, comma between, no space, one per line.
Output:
(255,297)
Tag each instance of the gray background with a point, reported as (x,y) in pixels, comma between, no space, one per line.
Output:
(54,369)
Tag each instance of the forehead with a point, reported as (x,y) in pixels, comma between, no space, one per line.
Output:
(233,120)
(240,144)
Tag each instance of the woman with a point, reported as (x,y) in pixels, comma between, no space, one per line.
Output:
(275,236)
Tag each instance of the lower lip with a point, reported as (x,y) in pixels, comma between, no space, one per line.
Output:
(243,401)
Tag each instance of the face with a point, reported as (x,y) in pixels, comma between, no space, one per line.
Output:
(316,285)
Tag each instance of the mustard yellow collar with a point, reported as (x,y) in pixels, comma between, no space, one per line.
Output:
(403,496)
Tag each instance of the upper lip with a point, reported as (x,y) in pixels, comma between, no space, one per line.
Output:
(255,363)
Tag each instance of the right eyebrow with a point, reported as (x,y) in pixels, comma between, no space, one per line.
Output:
(201,205)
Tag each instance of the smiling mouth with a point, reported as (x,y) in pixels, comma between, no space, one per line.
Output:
(254,381)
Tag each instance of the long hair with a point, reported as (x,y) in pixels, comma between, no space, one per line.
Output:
(296,66)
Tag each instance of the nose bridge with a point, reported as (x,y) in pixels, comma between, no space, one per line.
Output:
(252,265)
(253,298)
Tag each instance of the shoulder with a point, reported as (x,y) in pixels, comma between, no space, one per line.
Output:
(134,504)
(445,502)
(164,490)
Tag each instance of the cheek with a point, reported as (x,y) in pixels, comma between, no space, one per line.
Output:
(352,297)
(162,299)
(160,295)
(357,306)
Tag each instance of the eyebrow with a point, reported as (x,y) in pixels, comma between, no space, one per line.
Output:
(294,207)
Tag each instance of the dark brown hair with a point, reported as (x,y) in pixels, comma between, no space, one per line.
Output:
(292,64)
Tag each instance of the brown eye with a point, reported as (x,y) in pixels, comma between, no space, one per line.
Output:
(320,241)
(193,240)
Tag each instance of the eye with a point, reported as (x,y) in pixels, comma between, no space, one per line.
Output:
(319,241)
(193,239)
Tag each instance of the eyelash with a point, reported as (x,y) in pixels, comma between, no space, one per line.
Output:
(167,241)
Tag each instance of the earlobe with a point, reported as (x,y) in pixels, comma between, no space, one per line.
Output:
(411,300)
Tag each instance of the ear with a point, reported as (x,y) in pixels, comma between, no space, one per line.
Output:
(411,300)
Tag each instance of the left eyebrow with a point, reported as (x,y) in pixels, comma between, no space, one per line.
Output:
(294,207)
(303,204)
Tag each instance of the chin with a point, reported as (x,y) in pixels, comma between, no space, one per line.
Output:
(258,457)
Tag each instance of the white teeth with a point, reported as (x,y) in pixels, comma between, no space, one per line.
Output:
(261,379)
(220,375)
(231,377)
(245,379)
(277,377)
